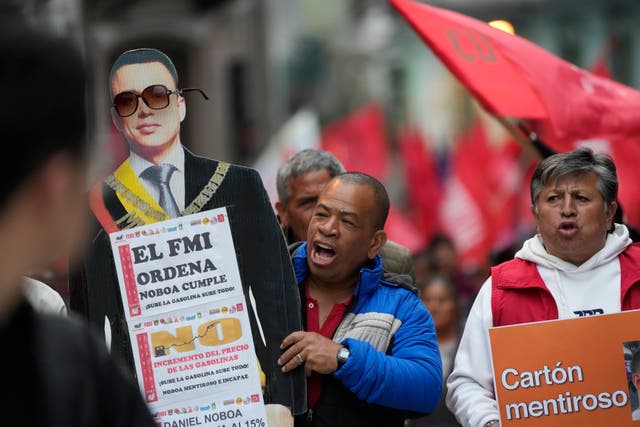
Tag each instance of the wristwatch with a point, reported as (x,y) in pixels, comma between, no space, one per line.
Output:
(343,355)
(491,423)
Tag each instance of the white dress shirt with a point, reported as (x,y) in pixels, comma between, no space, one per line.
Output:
(177,182)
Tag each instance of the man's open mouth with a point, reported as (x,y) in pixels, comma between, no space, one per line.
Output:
(322,254)
(568,228)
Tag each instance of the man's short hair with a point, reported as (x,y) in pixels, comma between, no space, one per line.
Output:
(44,109)
(578,162)
(142,56)
(301,163)
(380,196)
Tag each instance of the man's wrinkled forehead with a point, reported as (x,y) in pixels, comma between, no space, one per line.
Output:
(346,196)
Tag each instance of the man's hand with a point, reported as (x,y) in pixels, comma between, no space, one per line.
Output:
(310,349)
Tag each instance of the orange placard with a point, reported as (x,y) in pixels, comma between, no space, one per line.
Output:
(572,372)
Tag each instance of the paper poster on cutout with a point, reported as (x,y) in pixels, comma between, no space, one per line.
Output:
(188,320)
(176,263)
(565,372)
(241,410)
(186,353)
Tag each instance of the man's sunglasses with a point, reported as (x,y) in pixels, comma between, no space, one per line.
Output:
(156,97)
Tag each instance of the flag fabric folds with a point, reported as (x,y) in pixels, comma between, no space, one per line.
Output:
(482,207)
(422,181)
(513,77)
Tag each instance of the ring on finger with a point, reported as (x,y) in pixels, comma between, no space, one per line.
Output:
(300,359)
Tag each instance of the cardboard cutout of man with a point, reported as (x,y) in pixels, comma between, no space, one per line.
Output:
(162,179)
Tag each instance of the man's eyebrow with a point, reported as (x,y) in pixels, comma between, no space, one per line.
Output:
(348,213)
(342,211)
(306,199)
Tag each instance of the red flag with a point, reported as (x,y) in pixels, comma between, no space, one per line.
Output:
(510,76)
(481,206)
(422,181)
(468,49)
(359,141)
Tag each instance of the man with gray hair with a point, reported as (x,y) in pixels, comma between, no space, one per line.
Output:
(299,182)
(580,263)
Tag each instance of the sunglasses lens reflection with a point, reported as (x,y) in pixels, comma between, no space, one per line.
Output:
(156,97)
(126,103)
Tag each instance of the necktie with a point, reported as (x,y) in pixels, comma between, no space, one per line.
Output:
(161,174)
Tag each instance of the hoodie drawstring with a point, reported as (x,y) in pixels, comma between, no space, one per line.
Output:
(563,298)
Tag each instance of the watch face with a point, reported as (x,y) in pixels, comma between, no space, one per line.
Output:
(343,354)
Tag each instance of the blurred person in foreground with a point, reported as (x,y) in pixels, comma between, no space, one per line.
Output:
(579,262)
(58,372)
(440,295)
(300,180)
(369,346)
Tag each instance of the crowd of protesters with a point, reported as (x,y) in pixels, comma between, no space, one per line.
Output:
(388,337)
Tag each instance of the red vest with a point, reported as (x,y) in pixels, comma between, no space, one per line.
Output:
(518,294)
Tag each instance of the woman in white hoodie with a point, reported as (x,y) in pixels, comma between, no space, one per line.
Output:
(570,268)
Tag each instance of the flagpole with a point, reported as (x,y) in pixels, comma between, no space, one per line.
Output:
(519,135)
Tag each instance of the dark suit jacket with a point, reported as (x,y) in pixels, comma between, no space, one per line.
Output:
(263,261)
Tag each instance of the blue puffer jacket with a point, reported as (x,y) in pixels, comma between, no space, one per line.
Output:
(394,361)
